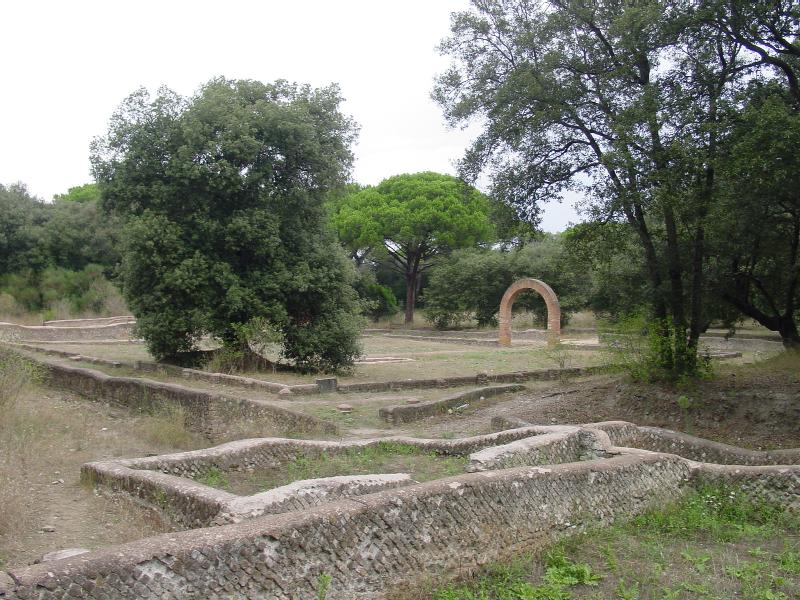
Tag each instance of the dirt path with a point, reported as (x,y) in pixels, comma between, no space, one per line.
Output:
(44,439)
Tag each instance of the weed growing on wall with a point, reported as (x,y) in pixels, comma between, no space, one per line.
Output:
(215,478)
(323,583)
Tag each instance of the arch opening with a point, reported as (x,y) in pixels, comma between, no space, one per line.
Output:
(550,300)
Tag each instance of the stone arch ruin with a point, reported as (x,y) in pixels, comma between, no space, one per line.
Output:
(550,299)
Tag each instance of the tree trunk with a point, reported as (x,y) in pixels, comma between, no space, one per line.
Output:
(789,333)
(413,259)
(411,296)
(783,324)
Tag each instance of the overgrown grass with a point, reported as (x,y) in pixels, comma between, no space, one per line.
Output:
(45,435)
(720,514)
(215,478)
(165,426)
(17,378)
(384,457)
(512,581)
(714,544)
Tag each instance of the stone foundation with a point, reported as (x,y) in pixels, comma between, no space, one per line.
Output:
(369,543)
(205,412)
(28,333)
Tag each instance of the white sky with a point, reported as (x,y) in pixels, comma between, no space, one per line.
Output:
(68,65)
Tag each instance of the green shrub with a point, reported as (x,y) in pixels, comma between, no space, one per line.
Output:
(61,293)
(647,349)
(378,300)
(329,344)
(472,283)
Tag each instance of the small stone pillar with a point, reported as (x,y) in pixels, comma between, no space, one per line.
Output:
(327,385)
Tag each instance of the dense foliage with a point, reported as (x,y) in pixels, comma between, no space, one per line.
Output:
(631,103)
(470,283)
(756,226)
(56,258)
(412,219)
(379,300)
(222,196)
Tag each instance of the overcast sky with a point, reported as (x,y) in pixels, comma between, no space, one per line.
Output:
(68,65)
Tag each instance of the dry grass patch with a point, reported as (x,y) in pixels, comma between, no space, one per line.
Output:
(165,425)
(17,436)
(384,457)
(45,436)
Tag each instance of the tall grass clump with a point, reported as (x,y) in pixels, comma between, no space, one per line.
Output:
(17,380)
(164,426)
(648,350)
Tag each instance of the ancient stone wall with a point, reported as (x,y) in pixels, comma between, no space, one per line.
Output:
(702,450)
(28,333)
(776,484)
(405,413)
(91,322)
(568,445)
(165,483)
(205,412)
(366,545)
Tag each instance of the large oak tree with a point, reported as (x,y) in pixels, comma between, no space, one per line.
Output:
(222,195)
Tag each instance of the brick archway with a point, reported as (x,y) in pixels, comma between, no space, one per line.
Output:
(550,299)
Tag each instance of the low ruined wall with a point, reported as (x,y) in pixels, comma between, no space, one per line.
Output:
(28,333)
(165,483)
(244,455)
(779,485)
(405,413)
(315,388)
(205,412)
(368,544)
(548,449)
(751,343)
(702,450)
(91,322)
(179,501)
(478,379)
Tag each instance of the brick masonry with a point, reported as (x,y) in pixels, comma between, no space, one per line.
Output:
(550,299)
(368,543)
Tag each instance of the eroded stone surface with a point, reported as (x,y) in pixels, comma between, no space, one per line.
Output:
(61,554)
(367,543)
